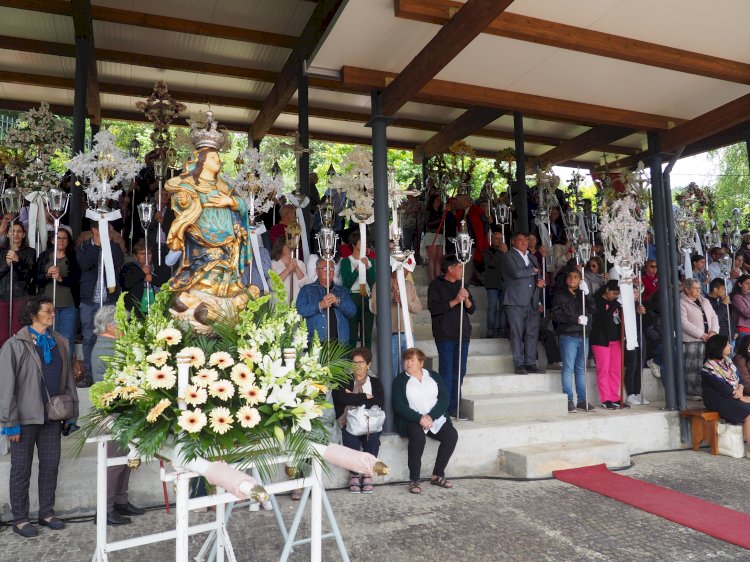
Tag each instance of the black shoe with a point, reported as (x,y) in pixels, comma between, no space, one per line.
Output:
(609,405)
(520,371)
(129,509)
(114,518)
(533,369)
(571,406)
(54,523)
(27,531)
(583,406)
(85,383)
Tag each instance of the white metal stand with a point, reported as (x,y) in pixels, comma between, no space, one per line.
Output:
(218,545)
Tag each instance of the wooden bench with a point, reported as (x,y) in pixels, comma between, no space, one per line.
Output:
(703,427)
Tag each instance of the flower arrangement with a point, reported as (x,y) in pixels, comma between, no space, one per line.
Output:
(30,146)
(253,393)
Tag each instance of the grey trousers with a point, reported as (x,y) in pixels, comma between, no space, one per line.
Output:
(118,478)
(46,439)
(523,322)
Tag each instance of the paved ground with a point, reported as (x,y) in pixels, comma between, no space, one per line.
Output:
(479,520)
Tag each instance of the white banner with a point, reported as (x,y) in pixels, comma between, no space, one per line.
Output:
(109,266)
(627,300)
(687,264)
(255,232)
(299,205)
(409,264)
(37,221)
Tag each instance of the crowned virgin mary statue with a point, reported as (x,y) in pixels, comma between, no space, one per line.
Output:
(211,231)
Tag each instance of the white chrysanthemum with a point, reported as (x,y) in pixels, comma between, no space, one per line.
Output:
(242,375)
(221,420)
(195,395)
(192,421)
(221,389)
(157,410)
(158,357)
(161,377)
(248,417)
(170,336)
(204,377)
(197,357)
(221,359)
(249,354)
(252,395)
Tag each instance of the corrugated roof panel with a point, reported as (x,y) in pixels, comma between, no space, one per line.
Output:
(152,41)
(34,63)
(36,25)
(36,94)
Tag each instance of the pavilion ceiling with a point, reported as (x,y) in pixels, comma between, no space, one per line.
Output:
(590,76)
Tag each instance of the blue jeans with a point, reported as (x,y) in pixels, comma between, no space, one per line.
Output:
(66,322)
(448,357)
(89,337)
(397,361)
(495,313)
(369,444)
(573,359)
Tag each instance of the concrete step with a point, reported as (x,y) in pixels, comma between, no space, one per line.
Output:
(476,384)
(540,460)
(479,294)
(516,405)
(424,317)
(423,330)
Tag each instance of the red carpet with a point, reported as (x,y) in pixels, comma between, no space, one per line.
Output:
(714,520)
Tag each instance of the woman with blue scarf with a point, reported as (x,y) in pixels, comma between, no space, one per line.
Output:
(36,365)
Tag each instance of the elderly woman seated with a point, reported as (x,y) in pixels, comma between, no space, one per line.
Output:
(722,387)
(362,390)
(420,403)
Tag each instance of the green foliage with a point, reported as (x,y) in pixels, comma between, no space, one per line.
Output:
(733,184)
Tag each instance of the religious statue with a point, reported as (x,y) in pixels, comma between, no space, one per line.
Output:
(211,231)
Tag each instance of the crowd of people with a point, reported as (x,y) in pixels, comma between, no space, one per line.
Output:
(535,294)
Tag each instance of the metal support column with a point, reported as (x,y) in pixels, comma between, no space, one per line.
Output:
(661,216)
(746,136)
(79,129)
(303,125)
(520,197)
(379,125)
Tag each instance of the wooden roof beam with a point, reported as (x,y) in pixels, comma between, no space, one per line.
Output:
(545,107)
(593,139)
(468,22)
(154,21)
(534,30)
(467,123)
(286,84)
(218,100)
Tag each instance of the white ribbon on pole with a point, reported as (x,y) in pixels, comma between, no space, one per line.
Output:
(299,205)
(361,269)
(255,232)
(103,220)
(399,268)
(37,220)
(627,300)
(687,264)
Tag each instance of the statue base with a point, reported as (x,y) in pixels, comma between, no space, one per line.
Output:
(198,308)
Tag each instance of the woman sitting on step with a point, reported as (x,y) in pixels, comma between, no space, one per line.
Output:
(722,389)
(420,403)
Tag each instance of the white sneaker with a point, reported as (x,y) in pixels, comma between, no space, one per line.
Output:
(633,400)
(643,400)
(655,370)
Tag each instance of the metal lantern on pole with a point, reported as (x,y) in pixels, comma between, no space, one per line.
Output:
(726,262)
(134,150)
(146,214)
(12,201)
(57,206)
(326,238)
(584,254)
(463,243)
(292,233)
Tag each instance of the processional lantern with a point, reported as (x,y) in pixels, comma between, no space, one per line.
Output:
(725,265)
(146,214)
(57,202)
(584,252)
(463,243)
(12,201)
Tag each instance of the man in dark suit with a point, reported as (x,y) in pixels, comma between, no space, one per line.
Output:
(521,300)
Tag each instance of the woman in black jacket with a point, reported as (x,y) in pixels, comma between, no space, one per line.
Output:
(23,258)
(362,390)
(570,320)
(68,277)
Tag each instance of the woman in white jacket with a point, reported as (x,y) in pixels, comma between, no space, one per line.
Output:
(699,322)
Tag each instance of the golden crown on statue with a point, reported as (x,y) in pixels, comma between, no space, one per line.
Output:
(208,136)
